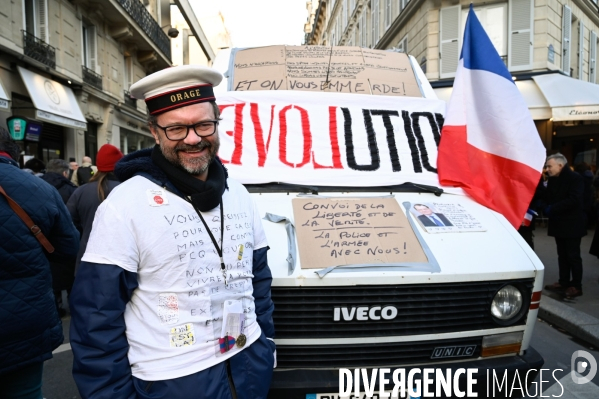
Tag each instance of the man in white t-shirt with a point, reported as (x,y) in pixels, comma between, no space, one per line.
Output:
(172,298)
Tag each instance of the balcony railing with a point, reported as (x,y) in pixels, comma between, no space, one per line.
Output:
(39,50)
(91,78)
(148,24)
(130,101)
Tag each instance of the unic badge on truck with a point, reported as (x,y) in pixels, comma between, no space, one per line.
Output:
(375,266)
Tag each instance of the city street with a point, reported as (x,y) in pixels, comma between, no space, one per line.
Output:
(555,346)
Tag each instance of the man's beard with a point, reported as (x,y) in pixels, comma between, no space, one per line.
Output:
(194,166)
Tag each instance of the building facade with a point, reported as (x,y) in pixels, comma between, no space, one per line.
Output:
(66,67)
(534,38)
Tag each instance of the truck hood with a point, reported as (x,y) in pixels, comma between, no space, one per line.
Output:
(497,253)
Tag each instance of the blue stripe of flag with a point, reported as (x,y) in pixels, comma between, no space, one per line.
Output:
(478,51)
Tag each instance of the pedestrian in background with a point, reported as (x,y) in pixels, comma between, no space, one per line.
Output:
(57,173)
(584,170)
(63,268)
(527,227)
(85,171)
(30,328)
(85,201)
(563,205)
(73,166)
(36,166)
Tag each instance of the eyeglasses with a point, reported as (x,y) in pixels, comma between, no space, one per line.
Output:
(180,132)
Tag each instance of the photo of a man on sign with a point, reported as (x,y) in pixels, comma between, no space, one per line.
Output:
(430,218)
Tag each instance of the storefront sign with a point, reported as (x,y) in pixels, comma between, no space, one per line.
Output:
(576,113)
(53,101)
(33,131)
(16,126)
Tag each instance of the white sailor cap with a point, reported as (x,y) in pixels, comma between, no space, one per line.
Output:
(176,87)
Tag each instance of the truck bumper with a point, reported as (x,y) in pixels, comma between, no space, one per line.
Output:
(296,384)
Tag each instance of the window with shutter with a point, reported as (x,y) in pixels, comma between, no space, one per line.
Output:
(520,35)
(128,72)
(580,49)
(344,15)
(363,29)
(92,48)
(566,37)
(403,45)
(449,40)
(593,58)
(42,20)
(375,13)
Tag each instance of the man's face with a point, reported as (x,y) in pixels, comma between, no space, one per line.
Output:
(425,210)
(73,165)
(194,153)
(553,168)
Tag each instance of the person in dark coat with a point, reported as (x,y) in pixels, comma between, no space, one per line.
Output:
(63,269)
(36,166)
(86,171)
(30,328)
(526,231)
(584,171)
(563,205)
(57,172)
(85,201)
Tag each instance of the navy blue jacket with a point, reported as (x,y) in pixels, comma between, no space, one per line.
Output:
(30,328)
(101,292)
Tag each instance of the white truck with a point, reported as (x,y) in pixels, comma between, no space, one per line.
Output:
(439,282)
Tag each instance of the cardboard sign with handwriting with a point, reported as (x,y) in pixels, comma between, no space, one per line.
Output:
(345,231)
(342,69)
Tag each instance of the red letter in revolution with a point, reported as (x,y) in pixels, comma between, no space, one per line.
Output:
(261,147)
(305,132)
(237,133)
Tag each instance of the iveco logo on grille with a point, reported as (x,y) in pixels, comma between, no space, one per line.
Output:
(364,313)
(453,351)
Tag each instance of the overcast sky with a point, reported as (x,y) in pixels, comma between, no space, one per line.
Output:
(259,22)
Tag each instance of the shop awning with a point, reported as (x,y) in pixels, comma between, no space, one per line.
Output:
(537,105)
(570,99)
(4,100)
(54,102)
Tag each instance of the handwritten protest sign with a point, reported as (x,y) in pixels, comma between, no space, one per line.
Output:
(345,231)
(325,69)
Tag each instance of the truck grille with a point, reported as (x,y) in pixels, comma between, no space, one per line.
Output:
(307,312)
(369,355)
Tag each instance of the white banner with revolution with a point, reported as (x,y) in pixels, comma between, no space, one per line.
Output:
(329,139)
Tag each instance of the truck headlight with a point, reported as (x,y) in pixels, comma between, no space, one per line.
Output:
(507,303)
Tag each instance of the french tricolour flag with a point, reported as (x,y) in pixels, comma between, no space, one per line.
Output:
(489,144)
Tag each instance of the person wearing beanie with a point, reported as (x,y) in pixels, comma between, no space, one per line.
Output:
(85,200)
(107,157)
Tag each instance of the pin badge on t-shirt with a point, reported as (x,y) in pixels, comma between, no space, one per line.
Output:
(157,197)
(240,254)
